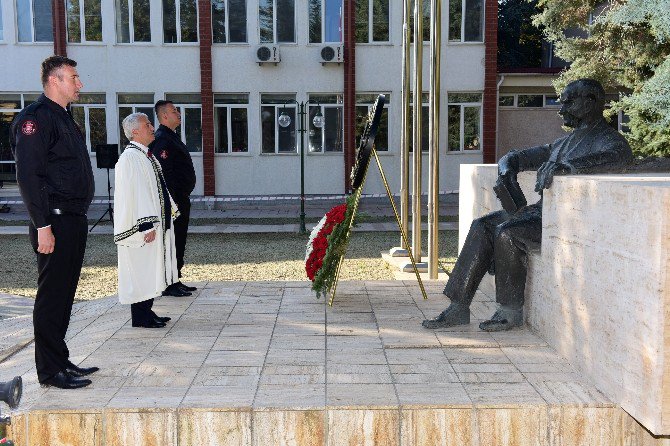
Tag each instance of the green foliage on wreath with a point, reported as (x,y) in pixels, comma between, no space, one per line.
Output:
(337,246)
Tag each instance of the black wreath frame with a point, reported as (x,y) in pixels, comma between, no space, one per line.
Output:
(366,143)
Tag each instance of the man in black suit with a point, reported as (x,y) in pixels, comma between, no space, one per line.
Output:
(500,241)
(177,166)
(55,178)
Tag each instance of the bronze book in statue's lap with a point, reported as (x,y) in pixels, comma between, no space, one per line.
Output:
(509,193)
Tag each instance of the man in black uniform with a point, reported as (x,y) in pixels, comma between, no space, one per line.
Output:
(54,174)
(175,160)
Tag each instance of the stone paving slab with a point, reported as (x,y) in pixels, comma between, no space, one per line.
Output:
(272,363)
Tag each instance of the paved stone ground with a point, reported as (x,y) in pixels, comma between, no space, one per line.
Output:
(273,345)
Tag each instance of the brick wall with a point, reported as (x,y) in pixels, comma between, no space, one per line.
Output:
(490,81)
(205,38)
(59,30)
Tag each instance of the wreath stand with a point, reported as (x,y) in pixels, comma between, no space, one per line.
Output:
(366,149)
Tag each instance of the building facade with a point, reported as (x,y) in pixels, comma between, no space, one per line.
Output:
(207,57)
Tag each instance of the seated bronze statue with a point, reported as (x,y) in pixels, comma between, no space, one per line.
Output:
(500,241)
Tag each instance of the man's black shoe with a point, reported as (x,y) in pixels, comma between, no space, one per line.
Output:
(175,291)
(78,372)
(151,324)
(186,287)
(162,320)
(63,380)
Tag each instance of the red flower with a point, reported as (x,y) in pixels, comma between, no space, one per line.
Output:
(320,243)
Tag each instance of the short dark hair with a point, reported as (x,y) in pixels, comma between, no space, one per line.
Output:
(160,104)
(52,63)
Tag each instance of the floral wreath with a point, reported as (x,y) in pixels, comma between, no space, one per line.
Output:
(327,244)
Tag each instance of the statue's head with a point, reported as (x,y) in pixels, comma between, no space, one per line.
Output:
(582,100)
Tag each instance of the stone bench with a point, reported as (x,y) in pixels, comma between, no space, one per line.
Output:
(599,290)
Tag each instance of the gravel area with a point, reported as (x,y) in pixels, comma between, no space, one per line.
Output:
(268,256)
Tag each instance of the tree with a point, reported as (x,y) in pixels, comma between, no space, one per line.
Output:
(519,41)
(625,44)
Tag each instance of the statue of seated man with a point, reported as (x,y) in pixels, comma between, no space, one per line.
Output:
(500,241)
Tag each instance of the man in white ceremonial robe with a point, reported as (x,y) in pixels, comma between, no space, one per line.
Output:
(143,225)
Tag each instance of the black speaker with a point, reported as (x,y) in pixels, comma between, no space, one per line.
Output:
(10,392)
(106,155)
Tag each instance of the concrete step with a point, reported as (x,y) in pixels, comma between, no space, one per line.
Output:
(266,363)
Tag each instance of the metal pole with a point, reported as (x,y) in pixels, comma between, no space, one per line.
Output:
(301,112)
(416,151)
(404,130)
(434,137)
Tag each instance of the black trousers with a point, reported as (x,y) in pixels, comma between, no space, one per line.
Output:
(58,275)
(181,230)
(141,312)
(498,242)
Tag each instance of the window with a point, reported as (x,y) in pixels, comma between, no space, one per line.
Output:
(275,138)
(90,114)
(34,22)
(426,21)
(329,137)
(10,106)
(425,121)
(133,21)
(464,120)
(466,21)
(134,103)
(180,21)
(528,100)
(1,27)
(231,131)
(229,21)
(325,21)
(364,103)
(372,21)
(276,19)
(190,108)
(84,21)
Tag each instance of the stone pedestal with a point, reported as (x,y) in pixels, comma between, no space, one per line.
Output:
(599,290)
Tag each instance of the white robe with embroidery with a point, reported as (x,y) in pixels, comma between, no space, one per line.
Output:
(145,269)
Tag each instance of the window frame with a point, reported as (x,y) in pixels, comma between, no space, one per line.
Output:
(134,109)
(182,127)
(179,41)
(462,105)
(545,96)
(131,24)
(87,125)
(274,26)
(482,19)
(322,107)
(323,25)
(32,25)
(227,25)
(371,26)
(82,25)
(16,111)
(229,125)
(286,104)
(2,27)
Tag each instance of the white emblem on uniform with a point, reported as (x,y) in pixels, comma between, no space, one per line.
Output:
(29,128)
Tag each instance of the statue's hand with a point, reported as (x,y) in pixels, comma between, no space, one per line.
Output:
(508,165)
(545,175)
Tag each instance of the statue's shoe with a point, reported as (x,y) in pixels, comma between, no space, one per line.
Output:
(455,314)
(503,319)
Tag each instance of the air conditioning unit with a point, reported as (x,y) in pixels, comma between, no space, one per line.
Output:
(332,54)
(268,54)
